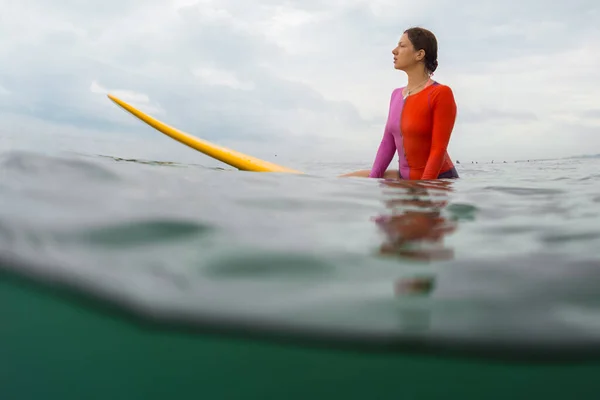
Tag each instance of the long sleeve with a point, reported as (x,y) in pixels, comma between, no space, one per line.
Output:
(386,151)
(385,154)
(444,116)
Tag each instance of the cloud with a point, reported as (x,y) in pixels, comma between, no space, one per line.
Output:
(593,114)
(495,116)
(301,79)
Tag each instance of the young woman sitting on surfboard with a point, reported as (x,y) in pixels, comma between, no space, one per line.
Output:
(421,116)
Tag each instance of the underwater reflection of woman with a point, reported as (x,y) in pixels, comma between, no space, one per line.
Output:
(416,227)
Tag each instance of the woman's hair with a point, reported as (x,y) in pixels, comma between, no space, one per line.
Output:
(422,39)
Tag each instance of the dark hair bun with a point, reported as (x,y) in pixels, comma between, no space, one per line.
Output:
(431,65)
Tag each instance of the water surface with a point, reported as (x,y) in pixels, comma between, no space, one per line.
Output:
(505,256)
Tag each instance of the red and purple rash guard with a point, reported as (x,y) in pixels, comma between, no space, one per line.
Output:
(419,130)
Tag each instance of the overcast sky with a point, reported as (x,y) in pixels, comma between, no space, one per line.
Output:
(299,79)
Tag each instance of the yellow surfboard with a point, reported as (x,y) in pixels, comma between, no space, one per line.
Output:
(230,157)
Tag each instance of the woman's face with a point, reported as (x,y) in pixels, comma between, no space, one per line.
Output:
(405,55)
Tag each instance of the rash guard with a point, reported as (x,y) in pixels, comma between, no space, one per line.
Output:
(419,130)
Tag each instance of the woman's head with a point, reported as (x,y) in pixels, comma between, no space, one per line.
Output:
(417,46)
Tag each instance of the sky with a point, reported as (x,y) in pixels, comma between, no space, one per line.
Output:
(295,80)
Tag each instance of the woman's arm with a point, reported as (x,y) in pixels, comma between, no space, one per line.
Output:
(444,115)
(385,154)
(386,150)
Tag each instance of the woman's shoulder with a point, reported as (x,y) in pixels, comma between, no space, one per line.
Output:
(441,87)
(397,91)
(441,92)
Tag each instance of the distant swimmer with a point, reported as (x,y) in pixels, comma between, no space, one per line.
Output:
(421,116)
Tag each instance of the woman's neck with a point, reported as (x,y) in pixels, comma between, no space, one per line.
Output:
(416,78)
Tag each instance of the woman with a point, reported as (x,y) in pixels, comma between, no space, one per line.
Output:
(421,116)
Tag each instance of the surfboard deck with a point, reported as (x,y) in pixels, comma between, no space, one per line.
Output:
(230,157)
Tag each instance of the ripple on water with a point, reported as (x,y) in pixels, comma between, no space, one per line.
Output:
(253,265)
(38,166)
(141,233)
(525,191)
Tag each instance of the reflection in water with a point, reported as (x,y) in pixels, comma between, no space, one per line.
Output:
(415,228)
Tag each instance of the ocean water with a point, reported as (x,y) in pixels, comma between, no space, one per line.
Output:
(504,259)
